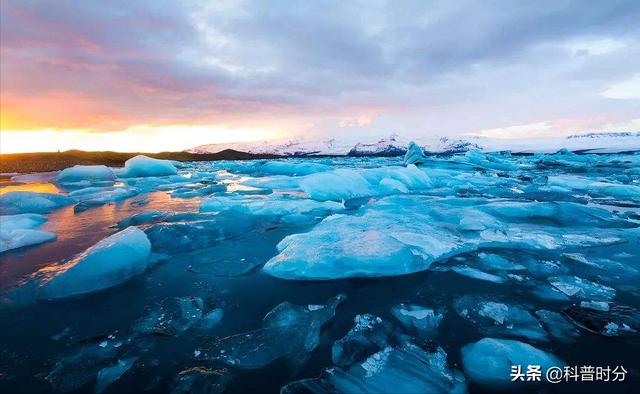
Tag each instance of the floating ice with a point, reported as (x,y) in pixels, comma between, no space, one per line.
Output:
(270,205)
(110,374)
(418,319)
(108,263)
(17,231)
(80,173)
(201,380)
(616,320)
(414,154)
(373,242)
(71,373)
(173,317)
(574,286)
(369,335)
(341,184)
(289,331)
(291,169)
(487,160)
(142,166)
(95,196)
(496,318)
(477,274)
(488,362)
(17,202)
(557,325)
(403,369)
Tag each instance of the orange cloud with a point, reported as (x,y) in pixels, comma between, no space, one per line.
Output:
(56,110)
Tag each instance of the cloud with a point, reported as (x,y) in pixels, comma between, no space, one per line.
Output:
(424,67)
(629,89)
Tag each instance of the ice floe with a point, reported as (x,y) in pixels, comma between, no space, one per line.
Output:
(110,262)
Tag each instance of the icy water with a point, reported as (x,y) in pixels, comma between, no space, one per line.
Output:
(258,272)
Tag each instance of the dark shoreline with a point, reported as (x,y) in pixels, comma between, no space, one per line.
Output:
(53,161)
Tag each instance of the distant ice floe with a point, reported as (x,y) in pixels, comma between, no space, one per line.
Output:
(142,166)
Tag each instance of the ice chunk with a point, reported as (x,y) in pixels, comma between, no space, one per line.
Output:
(110,374)
(403,369)
(341,184)
(414,154)
(487,160)
(287,167)
(374,243)
(369,335)
(477,274)
(557,325)
(17,202)
(79,173)
(617,320)
(95,196)
(200,380)
(289,331)
(110,262)
(17,231)
(143,166)
(270,206)
(143,218)
(574,286)
(418,319)
(173,317)
(494,261)
(73,372)
(488,362)
(496,318)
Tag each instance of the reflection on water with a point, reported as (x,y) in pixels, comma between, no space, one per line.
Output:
(78,231)
(6,187)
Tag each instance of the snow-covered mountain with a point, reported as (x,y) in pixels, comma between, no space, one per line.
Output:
(396,146)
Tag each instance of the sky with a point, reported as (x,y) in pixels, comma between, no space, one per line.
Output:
(156,75)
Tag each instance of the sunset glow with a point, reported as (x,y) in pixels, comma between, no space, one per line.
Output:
(168,76)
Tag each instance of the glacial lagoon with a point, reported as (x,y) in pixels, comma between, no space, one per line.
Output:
(321,274)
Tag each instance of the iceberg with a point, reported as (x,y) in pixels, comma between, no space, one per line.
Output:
(143,166)
(17,231)
(289,331)
(110,262)
(80,173)
(414,154)
(488,362)
(403,369)
(13,203)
